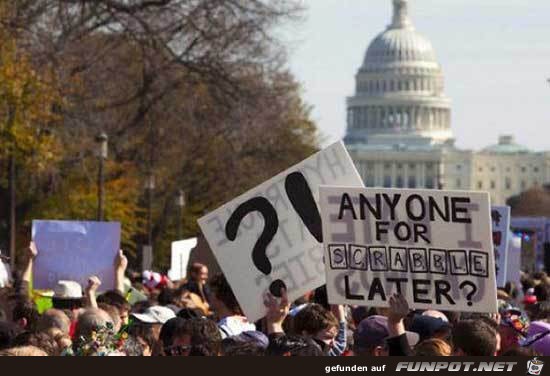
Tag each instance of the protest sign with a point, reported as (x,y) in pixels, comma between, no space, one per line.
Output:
(70,250)
(513,260)
(146,258)
(500,220)
(434,247)
(4,274)
(271,236)
(181,250)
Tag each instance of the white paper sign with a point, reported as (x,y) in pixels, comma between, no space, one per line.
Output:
(4,275)
(435,247)
(272,235)
(500,219)
(513,260)
(70,250)
(181,250)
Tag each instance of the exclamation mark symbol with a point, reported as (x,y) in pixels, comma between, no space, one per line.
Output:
(301,198)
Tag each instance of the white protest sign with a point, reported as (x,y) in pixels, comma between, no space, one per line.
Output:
(71,250)
(435,247)
(271,236)
(513,260)
(181,250)
(500,219)
(4,274)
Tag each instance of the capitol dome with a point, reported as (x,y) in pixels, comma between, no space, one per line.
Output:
(399,90)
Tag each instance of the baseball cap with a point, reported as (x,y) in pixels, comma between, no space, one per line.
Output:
(253,336)
(426,326)
(373,331)
(155,315)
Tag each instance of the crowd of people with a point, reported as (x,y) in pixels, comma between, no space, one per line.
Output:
(149,315)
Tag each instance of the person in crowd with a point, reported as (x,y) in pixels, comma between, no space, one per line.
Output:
(40,340)
(433,347)
(378,335)
(322,326)
(197,282)
(538,338)
(474,338)
(280,343)
(54,318)
(25,315)
(196,337)
(23,351)
(146,327)
(8,333)
(231,321)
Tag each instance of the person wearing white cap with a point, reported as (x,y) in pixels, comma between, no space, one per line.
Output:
(146,326)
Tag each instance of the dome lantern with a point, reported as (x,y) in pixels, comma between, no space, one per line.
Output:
(401,18)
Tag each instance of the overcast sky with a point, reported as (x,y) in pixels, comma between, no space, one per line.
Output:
(495,56)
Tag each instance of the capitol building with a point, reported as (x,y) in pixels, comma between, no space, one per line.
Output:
(399,125)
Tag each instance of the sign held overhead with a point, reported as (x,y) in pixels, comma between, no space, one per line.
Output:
(435,247)
(271,236)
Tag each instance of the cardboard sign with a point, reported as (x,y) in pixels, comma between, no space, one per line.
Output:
(513,260)
(75,251)
(500,220)
(181,250)
(4,274)
(271,236)
(434,247)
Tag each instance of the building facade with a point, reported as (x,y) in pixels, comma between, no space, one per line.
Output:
(399,125)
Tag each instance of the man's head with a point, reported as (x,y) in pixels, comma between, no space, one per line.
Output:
(316,322)
(474,338)
(54,318)
(223,299)
(89,321)
(25,315)
(40,340)
(117,300)
(371,334)
(199,337)
(198,273)
(8,332)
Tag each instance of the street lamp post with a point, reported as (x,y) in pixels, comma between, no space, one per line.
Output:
(180,203)
(150,186)
(102,141)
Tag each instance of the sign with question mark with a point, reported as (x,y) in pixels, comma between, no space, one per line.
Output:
(434,247)
(271,237)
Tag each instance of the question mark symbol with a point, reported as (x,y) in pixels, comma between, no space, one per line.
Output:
(271,225)
(472,292)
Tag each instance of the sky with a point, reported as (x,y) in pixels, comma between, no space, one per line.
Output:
(495,56)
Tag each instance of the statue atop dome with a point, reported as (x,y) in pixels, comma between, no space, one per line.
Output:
(401,18)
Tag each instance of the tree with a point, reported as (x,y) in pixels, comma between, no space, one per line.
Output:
(194,91)
(28,99)
(534,202)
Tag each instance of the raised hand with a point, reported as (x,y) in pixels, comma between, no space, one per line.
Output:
(277,311)
(93,284)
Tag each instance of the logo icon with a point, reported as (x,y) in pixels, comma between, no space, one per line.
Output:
(534,367)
